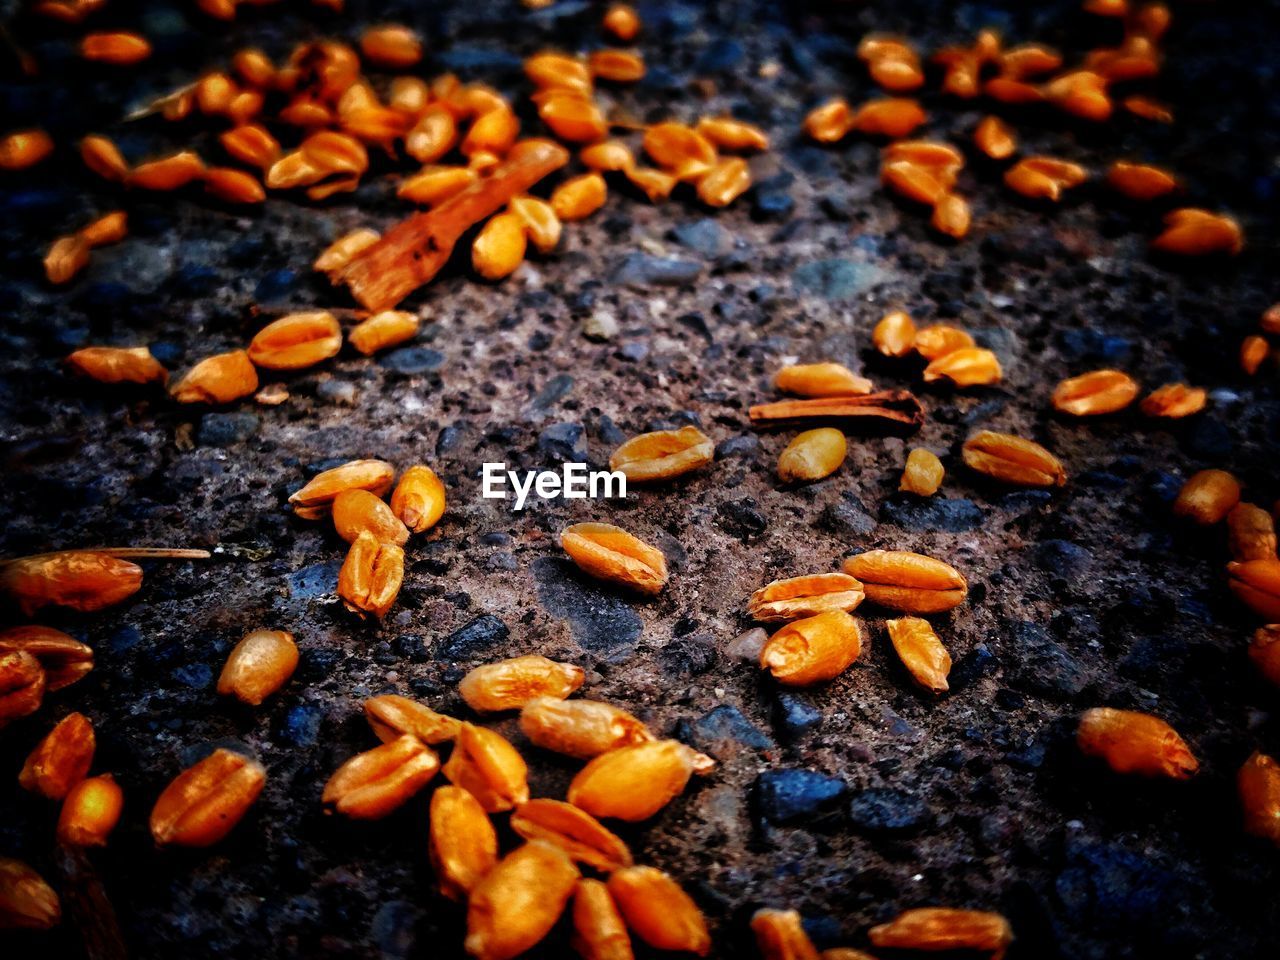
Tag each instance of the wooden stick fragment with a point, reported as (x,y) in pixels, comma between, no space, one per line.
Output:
(896,411)
(414,251)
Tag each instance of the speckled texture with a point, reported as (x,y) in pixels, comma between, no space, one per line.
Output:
(849,801)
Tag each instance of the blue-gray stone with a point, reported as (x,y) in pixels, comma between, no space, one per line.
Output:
(836,279)
(224,429)
(599,620)
(643,270)
(888,810)
(741,518)
(797,715)
(791,796)
(300,726)
(772,204)
(1039,664)
(933,513)
(552,392)
(316,580)
(742,445)
(706,236)
(847,516)
(1063,558)
(564,442)
(413,361)
(718,729)
(478,636)
(688,656)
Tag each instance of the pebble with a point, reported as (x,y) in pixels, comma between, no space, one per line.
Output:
(718,731)
(741,518)
(888,810)
(789,795)
(836,279)
(275,286)
(412,361)
(473,638)
(1039,664)
(314,581)
(706,236)
(224,429)
(643,270)
(742,445)
(552,391)
(948,515)
(688,656)
(300,726)
(600,326)
(747,646)
(847,516)
(341,392)
(1064,558)
(566,442)
(599,620)
(797,714)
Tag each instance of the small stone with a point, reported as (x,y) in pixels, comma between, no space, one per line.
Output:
(742,445)
(412,361)
(340,392)
(566,442)
(224,429)
(888,810)
(772,205)
(847,517)
(933,514)
(836,279)
(688,656)
(1039,664)
(552,392)
(719,729)
(275,286)
(643,270)
(797,715)
(741,518)
(599,620)
(317,580)
(1064,558)
(790,795)
(747,646)
(476,637)
(600,326)
(706,236)
(300,726)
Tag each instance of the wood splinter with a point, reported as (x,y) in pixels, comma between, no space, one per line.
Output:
(415,250)
(893,411)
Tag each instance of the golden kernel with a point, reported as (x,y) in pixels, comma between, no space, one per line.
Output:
(1208,496)
(375,783)
(1137,743)
(610,553)
(259,665)
(510,684)
(61,760)
(910,582)
(204,802)
(812,455)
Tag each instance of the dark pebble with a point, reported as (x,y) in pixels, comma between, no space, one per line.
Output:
(932,514)
(796,714)
(643,270)
(412,361)
(705,236)
(787,796)
(480,635)
(564,442)
(741,518)
(720,728)
(1063,558)
(300,726)
(225,429)
(551,393)
(847,517)
(742,445)
(688,656)
(317,580)
(275,286)
(1039,664)
(599,619)
(836,279)
(888,810)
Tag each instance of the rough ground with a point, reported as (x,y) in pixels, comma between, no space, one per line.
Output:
(849,802)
